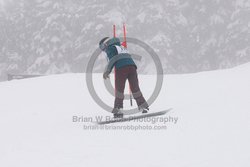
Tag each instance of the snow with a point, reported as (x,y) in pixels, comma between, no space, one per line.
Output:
(244,52)
(55,39)
(40,51)
(113,16)
(99,27)
(160,39)
(216,19)
(45,4)
(242,3)
(141,17)
(87,26)
(212,129)
(182,20)
(43,60)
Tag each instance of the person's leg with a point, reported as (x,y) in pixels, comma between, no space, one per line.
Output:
(120,80)
(134,86)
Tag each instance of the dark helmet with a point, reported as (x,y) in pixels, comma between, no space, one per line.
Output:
(103,44)
(114,41)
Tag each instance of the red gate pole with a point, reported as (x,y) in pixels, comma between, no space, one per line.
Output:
(114,31)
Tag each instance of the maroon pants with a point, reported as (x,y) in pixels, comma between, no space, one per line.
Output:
(121,75)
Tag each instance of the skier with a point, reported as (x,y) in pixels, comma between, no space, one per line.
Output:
(125,69)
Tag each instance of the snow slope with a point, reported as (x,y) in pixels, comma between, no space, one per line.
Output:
(212,129)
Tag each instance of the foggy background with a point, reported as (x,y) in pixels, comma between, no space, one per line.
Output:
(57,36)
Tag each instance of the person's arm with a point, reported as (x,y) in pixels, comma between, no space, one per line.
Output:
(111,52)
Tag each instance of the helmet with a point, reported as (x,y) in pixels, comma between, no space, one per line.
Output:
(105,42)
(114,41)
(102,44)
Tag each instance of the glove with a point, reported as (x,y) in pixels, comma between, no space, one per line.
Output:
(106,75)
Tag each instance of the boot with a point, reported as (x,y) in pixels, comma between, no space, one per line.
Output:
(144,110)
(117,113)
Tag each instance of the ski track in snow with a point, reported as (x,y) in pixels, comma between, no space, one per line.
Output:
(212,129)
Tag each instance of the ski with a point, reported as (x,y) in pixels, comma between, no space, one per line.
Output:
(130,118)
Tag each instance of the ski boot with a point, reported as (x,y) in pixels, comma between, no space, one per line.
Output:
(117,113)
(144,110)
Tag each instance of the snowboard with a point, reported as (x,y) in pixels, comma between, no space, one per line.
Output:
(125,119)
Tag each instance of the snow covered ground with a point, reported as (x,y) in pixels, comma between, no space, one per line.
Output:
(212,109)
